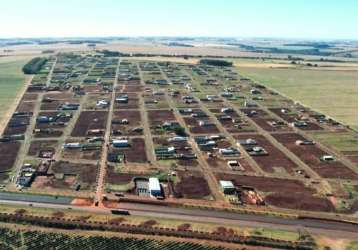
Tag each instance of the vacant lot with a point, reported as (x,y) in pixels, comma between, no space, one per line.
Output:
(290,194)
(331,92)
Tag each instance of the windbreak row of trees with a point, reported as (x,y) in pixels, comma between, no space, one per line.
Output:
(216,62)
(34,66)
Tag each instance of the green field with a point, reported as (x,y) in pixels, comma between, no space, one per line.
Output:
(353,246)
(332,92)
(11,80)
(344,142)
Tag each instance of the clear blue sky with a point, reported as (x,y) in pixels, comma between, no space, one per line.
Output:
(336,19)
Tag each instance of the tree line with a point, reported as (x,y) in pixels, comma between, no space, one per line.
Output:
(34,65)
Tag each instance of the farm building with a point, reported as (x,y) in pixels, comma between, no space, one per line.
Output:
(154,187)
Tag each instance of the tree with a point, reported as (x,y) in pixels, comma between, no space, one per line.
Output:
(179,130)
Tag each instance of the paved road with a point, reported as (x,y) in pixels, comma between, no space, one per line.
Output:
(332,229)
(236,218)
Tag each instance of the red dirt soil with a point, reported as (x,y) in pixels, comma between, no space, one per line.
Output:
(310,154)
(275,157)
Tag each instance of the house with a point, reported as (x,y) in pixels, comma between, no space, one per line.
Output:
(299,124)
(102,103)
(187,156)
(212,98)
(215,137)
(247,142)
(73,145)
(161,82)
(229,151)
(186,111)
(44,119)
(121,122)
(177,139)
(187,97)
(256,151)
(255,91)
(305,142)
(165,153)
(227,187)
(226,94)
(69,106)
(121,143)
(225,118)
(251,113)
(235,165)
(227,110)
(206,123)
(199,114)
(327,158)
(137,130)
(122,98)
(154,187)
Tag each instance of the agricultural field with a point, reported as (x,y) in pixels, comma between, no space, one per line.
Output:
(26,239)
(11,81)
(332,92)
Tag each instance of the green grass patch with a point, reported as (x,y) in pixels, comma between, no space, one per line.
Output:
(341,141)
(275,234)
(353,245)
(11,81)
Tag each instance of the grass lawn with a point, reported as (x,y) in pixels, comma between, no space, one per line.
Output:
(11,80)
(334,93)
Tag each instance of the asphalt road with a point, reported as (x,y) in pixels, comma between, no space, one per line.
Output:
(331,229)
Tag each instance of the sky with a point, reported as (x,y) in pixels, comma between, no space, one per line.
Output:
(309,19)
